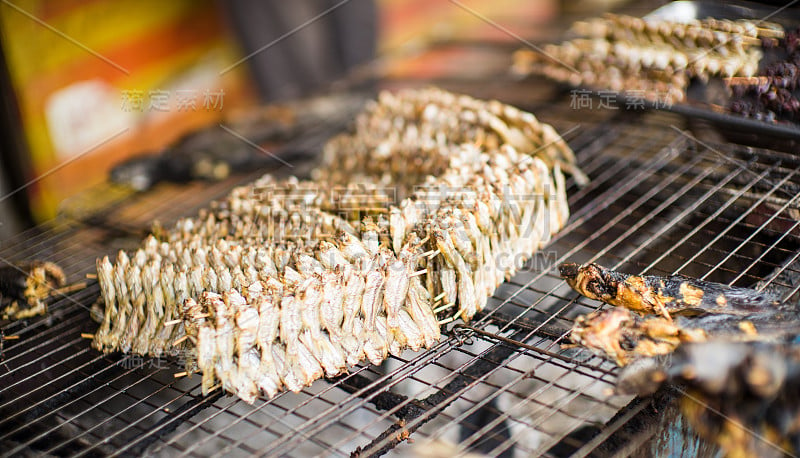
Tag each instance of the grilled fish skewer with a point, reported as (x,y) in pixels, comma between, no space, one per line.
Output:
(27,285)
(622,336)
(702,34)
(650,58)
(666,296)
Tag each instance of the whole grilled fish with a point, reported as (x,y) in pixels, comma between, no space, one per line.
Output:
(623,336)
(666,296)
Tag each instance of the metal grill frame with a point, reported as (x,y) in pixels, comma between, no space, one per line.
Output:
(655,191)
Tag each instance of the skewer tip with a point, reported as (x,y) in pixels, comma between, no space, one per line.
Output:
(69,288)
(178,342)
(444,307)
(447,320)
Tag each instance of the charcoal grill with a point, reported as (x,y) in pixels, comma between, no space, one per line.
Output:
(661,201)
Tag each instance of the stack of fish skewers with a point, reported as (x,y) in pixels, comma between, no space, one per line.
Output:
(284,282)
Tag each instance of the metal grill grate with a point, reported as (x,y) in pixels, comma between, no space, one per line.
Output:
(660,201)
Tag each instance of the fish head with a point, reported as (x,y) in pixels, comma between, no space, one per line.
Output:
(588,280)
(603,333)
(568,271)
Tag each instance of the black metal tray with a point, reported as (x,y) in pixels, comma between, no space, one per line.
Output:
(708,101)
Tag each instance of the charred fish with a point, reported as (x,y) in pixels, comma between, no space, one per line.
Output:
(666,296)
(26,285)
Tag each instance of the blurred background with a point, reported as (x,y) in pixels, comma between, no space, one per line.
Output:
(89,83)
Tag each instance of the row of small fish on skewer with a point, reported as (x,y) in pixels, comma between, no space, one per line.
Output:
(651,58)
(284,282)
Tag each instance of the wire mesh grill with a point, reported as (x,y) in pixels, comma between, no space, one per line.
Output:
(660,202)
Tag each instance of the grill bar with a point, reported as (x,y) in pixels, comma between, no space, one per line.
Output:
(48,334)
(461,446)
(742,217)
(75,416)
(479,434)
(319,424)
(476,370)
